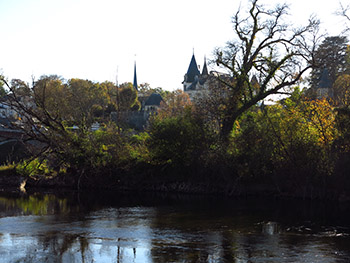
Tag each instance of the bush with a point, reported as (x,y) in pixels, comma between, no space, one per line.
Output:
(176,140)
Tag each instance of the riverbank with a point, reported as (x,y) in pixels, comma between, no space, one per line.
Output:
(147,181)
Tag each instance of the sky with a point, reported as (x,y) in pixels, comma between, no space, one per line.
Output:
(101,39)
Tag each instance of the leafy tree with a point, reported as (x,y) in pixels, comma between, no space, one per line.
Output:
(330,55)
(20,87)
(145,90)
(292,141)
(50,93)
(342,90)
(2,88)
(75,101)
(128,98)
(82,95)
(176,103)
(267,47)
(176,140)
(47,111)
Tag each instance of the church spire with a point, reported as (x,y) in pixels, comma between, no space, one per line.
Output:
(205,69)
(135,77)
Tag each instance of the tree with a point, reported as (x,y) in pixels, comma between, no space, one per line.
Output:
(330,55)
(128,97)
(277,53)
(176,140)
(145,90)
(56,143)
(344,11)
(292,139)
(174,104)
(342,90)
(82,95)
(50,93)
(2,88)
(212,104)
(76,101)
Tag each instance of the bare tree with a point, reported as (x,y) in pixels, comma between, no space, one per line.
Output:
(344,11)
(268,48)
(35,121)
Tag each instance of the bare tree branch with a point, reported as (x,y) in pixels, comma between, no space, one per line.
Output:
(265,46)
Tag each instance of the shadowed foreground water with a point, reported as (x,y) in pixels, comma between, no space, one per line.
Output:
(92,227)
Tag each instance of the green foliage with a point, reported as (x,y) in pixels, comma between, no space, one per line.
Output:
(7,167)
(102,149)
(37,205)
(146,90)
(331,54)
(296,136)
(2,90)
(128,98)
(33,167)
(138,147)
(251,145)
(77,101)
(176,140)
(270,50)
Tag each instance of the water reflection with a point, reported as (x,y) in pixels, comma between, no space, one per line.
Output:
(131,228)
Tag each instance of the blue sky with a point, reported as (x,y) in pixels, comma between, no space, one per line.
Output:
(90,39)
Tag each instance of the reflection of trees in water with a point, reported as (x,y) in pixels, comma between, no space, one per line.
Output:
(64,246)
(34,205)
(55,247)
(175,232)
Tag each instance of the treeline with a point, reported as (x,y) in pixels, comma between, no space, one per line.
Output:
(298,146)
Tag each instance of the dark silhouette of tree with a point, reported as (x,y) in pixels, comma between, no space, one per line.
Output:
(330,55)
(265,46)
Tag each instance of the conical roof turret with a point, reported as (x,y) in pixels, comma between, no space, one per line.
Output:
(192,71)
(205,69)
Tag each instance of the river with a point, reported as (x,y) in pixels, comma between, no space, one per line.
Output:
(110,227)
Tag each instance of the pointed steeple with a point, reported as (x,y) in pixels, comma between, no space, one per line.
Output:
(325,81)
(205,69)
(135,78)
(254,81)
(192,71)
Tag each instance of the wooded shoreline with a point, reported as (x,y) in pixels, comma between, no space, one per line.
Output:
(272,186)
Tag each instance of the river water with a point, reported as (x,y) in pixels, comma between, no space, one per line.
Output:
(109,227)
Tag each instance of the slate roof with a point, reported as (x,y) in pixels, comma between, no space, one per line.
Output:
(205,69)
(192,71)
(154,99)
